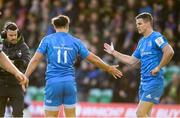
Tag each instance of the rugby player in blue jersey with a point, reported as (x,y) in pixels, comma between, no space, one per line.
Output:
(61,50)
(152,52)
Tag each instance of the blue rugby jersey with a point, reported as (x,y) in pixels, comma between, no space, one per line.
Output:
(149,52)
(61,50)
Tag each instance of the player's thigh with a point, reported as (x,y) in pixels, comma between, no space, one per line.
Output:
(144,108)
(70,94)
(53,97)
(152,94)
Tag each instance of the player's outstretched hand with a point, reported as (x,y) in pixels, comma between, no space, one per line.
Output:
(115,72)
(155,71)
(109,48)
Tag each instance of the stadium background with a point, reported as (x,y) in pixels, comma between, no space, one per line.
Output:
(96,22)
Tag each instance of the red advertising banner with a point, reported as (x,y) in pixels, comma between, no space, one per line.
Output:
(85,109)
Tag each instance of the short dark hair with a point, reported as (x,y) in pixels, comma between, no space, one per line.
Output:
(61,21)
(145,16)
(10,26)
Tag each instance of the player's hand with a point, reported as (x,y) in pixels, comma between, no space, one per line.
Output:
(23,87)
(115,72)
(109,48)
(155,71)
(24,84)
(20,76)
(23,80)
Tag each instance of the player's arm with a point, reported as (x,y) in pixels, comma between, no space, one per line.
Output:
(38,56)
(33,63)
(8,66)
(126,59)
(168,53)
(92,58)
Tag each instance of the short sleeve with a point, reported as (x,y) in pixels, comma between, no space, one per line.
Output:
(42,46)
(161,42)
(83,51)
(136,53)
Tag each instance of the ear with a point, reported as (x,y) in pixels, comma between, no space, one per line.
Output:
(3,35)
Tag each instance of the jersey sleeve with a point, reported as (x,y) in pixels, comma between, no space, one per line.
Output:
(161,42)
(83,51)
(42,46)
(136,53)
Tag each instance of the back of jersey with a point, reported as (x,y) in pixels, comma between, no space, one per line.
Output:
(61,50)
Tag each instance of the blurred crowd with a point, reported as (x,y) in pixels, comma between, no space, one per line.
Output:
(96,22)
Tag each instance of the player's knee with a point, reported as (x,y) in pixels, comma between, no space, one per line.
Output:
(51,113)
(70,112)
(140,113)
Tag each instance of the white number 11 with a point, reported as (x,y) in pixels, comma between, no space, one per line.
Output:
(59,56)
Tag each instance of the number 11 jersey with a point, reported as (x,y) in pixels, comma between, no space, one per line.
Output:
(61,50)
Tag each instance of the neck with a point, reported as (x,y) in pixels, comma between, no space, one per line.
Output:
(148,32)
(61,30)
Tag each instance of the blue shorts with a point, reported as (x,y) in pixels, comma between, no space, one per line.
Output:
(151,93)
(60,93)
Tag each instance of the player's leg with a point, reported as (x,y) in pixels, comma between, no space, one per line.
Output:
(49,113)
(70,112)
(144,109)
(70,99)
(149,114)
(150,95)
(17,101)
(17,104)
(53,99)
(3,102)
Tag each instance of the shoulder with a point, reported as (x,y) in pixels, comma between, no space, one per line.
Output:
(159,39)
(46,38)
(49,36)
(25,46)
(156,35)
(74,38)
